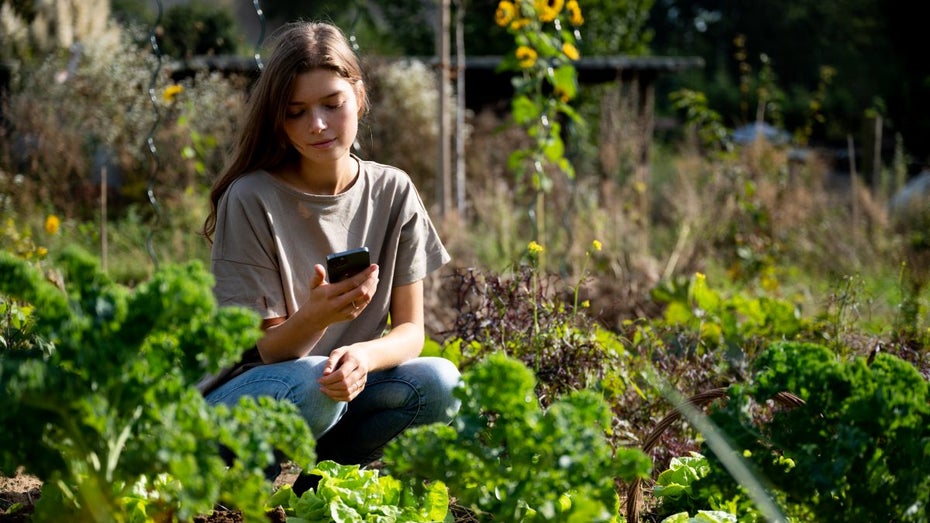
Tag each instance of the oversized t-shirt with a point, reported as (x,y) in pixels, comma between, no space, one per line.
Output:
(270,235)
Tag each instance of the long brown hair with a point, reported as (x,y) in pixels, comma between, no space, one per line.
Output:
(262,144)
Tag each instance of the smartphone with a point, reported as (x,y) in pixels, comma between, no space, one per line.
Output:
(345,264)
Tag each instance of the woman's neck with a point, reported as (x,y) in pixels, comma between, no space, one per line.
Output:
(327,179)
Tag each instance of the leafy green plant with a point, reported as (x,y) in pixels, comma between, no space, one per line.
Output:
(348,494)
(858,450)
(706,122)
(524,315)
(507,459)
(104,411)
(738,322)
(676,482)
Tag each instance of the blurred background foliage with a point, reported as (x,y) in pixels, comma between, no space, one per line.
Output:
(83,91)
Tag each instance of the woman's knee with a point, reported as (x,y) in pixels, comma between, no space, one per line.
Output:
(443,378)
(447,374)
(294,381)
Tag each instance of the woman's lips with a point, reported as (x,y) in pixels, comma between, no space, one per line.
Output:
(323,145)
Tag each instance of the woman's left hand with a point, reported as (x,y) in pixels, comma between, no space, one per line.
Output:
(345,374)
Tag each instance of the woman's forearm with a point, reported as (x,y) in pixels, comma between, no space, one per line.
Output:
(288,339)
(403,342)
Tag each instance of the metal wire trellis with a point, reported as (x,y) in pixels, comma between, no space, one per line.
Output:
(150,139)
(261,35)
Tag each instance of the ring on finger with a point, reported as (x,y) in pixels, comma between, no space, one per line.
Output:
(354,305)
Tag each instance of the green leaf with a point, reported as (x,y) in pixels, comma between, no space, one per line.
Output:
(565,79)
(524,110)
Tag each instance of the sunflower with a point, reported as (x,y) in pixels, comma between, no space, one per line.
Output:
(526,56)
(505,13)
(519,23)
(548,10)
(574,12)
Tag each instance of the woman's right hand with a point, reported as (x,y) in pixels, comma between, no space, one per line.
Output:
(344,300)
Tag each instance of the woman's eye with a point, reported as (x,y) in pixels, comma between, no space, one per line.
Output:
(294,114)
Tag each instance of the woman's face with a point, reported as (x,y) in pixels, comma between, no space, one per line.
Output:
(321,118)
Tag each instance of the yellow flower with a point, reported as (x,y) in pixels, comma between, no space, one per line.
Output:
(52,223)
(570,51)
(519,23)
(585,304)
(526,56)
(505,13)
(170,92)
(548,10)
(574,13)
(41,252)
(597,245)
(535,248)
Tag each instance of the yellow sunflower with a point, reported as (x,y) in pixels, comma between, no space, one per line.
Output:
(519,23)
(548,10)
(526,56)
(574,13)
(505,13)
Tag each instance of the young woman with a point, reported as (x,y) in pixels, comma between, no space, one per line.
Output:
(346,353)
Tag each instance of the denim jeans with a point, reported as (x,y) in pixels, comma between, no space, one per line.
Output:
(417,392)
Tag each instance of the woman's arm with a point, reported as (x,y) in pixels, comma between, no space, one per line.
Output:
(295,337)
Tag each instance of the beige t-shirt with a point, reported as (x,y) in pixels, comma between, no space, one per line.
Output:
(270,235)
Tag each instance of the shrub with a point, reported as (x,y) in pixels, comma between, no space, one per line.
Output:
(858,450)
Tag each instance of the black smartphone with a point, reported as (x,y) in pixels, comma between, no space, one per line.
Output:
(345,264)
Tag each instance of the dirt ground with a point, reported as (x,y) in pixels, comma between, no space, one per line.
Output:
(21,489)
(24,490)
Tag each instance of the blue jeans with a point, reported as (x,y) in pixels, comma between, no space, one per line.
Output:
(417,392)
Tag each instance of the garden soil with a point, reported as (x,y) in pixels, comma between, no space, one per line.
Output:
(23,490)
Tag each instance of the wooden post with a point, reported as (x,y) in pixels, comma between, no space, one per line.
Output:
(103,218)
(460,107)
(854,185)
(444,169)
(877,184)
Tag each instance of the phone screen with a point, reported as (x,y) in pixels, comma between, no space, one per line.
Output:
(345,264)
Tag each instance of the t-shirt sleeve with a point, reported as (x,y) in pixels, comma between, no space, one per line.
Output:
(420,250)
(243,262)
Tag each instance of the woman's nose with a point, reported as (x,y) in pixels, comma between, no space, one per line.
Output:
(317,122)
